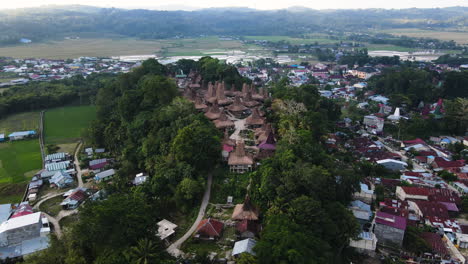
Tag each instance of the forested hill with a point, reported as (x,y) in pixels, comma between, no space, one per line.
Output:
(48,23)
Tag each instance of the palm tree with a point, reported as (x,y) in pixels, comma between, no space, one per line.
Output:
(145,252)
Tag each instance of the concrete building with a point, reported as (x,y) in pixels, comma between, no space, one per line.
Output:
(392,164)
(390,229)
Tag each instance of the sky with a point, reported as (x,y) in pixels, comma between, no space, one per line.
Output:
(257,4)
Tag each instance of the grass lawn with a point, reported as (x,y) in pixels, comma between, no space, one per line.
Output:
(65,124)
(18,160)
(52,206)
(20,122)
(69,220)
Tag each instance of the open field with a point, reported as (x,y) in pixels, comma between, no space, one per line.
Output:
(118,46)
(20,122)
(320,40)
(19,160)
(459,37)
(65,124)
(94,47)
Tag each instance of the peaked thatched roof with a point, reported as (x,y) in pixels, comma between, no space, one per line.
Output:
(239,157)
(213,111)
(199,105)
(245,211)
(237,106)
(254,119)
(223,121)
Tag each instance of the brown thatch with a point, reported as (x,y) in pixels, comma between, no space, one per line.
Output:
(232,92)
(222,99)
(237,106)
(227,140)
(199,105)
(223,121)
(245,211)
(239,157)
(254,119)
(258,96)
(249,101)
(213,111)
(210,95)
(263,133)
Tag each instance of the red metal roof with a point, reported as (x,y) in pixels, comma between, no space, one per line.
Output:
(247,225)
(416,191)
(78,195)
(210,228)
(435,243)
(391,220)
(429,208)
(414,142)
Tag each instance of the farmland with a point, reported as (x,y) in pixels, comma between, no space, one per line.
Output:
(459,37)
(292,40)
(65,124)
(20,122)
(119,46)
(19,161)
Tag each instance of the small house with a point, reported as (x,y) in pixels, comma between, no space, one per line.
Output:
(140,178)
(61,180)
(209,229)
(166,229)
(74,199)
(239,161)
(98,164)
(21,135)
(245,211)
(105,175)
(2,137)
(244,246)
(248,228)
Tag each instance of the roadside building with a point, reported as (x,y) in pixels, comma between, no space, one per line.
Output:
(105,175)
(390,229)
(21,135)
(244,246)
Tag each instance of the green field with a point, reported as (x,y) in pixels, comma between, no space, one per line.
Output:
(65,124)
(459,37)
(20,122)
(19,160)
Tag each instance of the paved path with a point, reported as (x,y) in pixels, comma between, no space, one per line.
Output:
(41,138)
(63,213)
(77,165)
(174,248)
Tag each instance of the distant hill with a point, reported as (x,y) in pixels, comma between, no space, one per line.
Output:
(57,21)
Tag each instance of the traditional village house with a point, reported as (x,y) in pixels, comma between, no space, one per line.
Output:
(245,211)
(239,161)
(199,105)
(258,96)
(221,97)
(245,246)
(209,229)
(249,101)
(223,122)
(213,111)
(254,120)
(228,145)
(267,148)
(232,92)
(237,108)
(247,214)
(210,95)
(262,133)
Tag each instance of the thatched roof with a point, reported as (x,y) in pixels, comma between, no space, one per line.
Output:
(254,119)
(239,157)
(227,140)
(237,106)
(210,95)
(245,211)
(213,111)
(249,101)
(199,105)
(223,121)
(220,96)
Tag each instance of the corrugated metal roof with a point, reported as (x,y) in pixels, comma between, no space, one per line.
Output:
(57,166)
(244,246)
(55,156)
(105,174)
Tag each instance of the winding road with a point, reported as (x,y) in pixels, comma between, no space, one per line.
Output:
(63,213)
(174,248)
